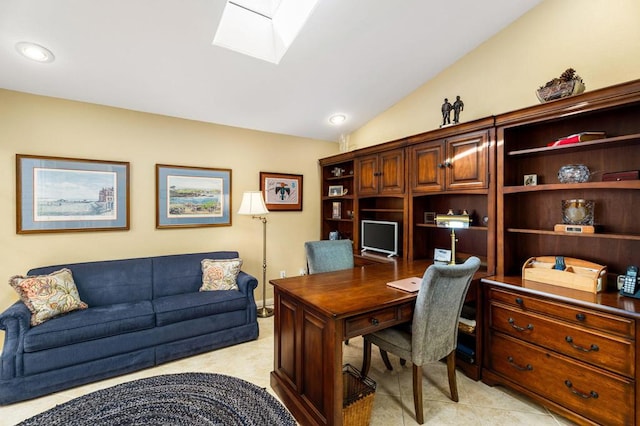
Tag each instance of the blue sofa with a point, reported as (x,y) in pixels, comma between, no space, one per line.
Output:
(142,312)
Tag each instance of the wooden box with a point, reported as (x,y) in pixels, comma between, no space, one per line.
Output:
(616,176)
(578,274)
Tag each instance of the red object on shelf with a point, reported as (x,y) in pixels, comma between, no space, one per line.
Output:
(578,137)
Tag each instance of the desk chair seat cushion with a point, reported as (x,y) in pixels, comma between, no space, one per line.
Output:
(396,340)
(329,255)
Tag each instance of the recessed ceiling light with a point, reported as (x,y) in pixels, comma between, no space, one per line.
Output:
(35,52)
(337,119)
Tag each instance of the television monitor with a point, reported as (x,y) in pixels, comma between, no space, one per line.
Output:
(379,236)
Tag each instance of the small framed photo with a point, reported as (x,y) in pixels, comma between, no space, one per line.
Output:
(281,191)
(56,194)
(441,256)
(192,197)
(336,191)
(530,180)
(430,217)
(336,210)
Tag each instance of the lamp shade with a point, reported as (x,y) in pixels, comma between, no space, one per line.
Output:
(453,220)
(252,204)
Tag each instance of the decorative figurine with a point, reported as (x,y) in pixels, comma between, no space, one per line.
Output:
(446,112)
(458,106)
(568,84)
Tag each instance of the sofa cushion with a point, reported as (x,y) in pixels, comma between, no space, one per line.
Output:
(109,282)
(183,307)
(90,324)
(181,273)
(48,296)
(220,274)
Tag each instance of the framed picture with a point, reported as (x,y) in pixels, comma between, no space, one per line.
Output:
(191,197)
(530,180)
(281,191)
(337,191)
(336,210)
(56,194)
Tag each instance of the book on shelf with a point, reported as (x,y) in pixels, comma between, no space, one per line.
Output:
(578,137)
(465,353)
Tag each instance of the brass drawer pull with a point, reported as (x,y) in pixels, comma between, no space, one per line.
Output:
(374,321)
(592,394)
(527,367)
(517,327)
(592,348)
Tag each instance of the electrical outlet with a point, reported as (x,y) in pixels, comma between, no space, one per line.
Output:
(283,274)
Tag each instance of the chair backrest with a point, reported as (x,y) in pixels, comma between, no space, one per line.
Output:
(437,311)
(328,255)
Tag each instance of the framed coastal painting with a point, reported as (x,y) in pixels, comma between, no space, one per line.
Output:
(190,197)
(56,194)
(281,191)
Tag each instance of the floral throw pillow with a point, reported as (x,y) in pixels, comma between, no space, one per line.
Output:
(48,296)
(220,274)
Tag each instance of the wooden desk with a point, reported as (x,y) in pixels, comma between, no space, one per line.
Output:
(314,314)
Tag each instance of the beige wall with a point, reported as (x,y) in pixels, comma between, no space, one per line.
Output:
(51,127)
(600,39)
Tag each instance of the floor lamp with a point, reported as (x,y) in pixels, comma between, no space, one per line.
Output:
(253,204)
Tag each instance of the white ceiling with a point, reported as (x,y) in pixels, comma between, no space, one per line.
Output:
(357,57)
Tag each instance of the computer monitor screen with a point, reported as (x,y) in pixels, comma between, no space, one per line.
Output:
(380,236)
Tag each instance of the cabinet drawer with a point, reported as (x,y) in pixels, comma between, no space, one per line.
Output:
(603,397)
(376,320)
(574,314)
(611,352)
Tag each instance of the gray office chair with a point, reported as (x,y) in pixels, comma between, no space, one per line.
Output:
(328,255)
(433,334)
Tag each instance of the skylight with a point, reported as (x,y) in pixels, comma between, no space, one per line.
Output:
(263,29)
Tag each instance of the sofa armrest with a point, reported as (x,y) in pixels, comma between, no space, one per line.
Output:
(246,283)
(15,321)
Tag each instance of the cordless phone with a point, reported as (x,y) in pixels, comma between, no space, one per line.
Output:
(630,284)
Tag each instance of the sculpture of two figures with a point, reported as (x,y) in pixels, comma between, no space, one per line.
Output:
(447,107)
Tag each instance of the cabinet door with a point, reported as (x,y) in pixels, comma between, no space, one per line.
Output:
(367,174)
(391,172)
(467,158)
(426,167)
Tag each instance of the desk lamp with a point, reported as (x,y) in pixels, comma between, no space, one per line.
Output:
(253,204)
(453,221)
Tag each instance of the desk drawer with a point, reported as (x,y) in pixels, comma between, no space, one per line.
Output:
(604,350)
(574,314)
(377,320)
(604,397)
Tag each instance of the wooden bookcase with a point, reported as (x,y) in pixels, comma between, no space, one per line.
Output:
(575,352)
(527,214)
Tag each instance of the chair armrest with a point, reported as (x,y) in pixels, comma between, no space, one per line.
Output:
(15,321)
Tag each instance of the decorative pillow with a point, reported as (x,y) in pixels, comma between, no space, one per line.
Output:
(48,296)
(220,274)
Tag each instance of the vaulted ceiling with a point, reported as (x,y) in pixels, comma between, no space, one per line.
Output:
(352,57)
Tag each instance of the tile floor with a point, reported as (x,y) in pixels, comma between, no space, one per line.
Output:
(393,404)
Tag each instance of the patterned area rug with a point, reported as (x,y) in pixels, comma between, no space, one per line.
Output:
(172,399)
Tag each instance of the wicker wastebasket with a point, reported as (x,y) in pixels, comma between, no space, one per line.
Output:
(358,393)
